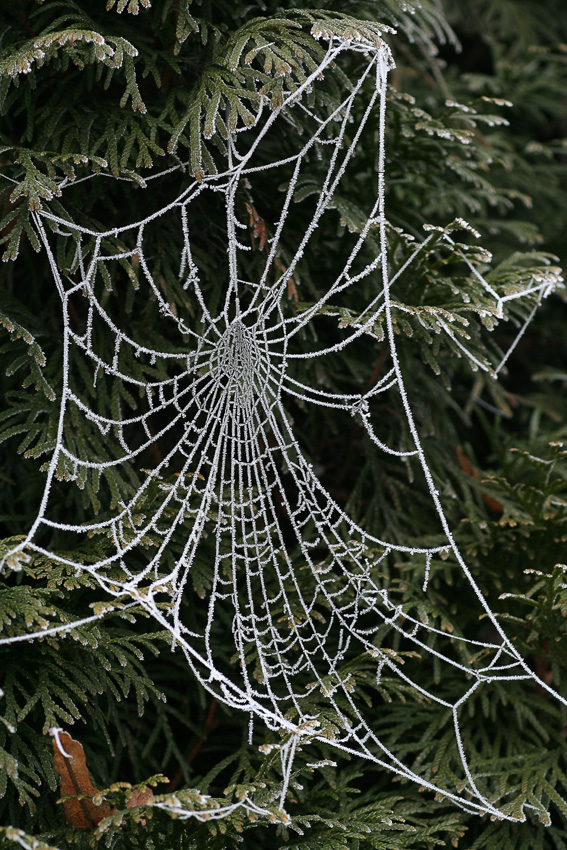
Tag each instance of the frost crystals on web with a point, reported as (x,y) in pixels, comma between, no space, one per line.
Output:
(231,536)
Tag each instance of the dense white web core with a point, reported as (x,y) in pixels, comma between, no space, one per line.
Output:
(233,476)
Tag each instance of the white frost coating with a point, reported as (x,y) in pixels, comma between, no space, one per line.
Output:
(245,497)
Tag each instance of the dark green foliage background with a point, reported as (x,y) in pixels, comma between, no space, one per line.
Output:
(115,685)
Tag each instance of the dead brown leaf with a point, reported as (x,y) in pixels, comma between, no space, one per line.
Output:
(139,797)
(258,227)
(75,779)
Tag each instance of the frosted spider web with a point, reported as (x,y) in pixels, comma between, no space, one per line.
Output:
(234,478)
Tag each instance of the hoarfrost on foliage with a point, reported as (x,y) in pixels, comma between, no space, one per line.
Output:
(234,479)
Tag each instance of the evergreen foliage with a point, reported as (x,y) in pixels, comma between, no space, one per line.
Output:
(476,131)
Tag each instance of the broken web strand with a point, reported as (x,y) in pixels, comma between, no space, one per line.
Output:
(235,433)
(542,288)
(521,332)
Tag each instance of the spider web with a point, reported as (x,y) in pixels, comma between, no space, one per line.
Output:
(233,477)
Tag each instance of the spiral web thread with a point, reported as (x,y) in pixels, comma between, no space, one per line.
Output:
(240,468)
